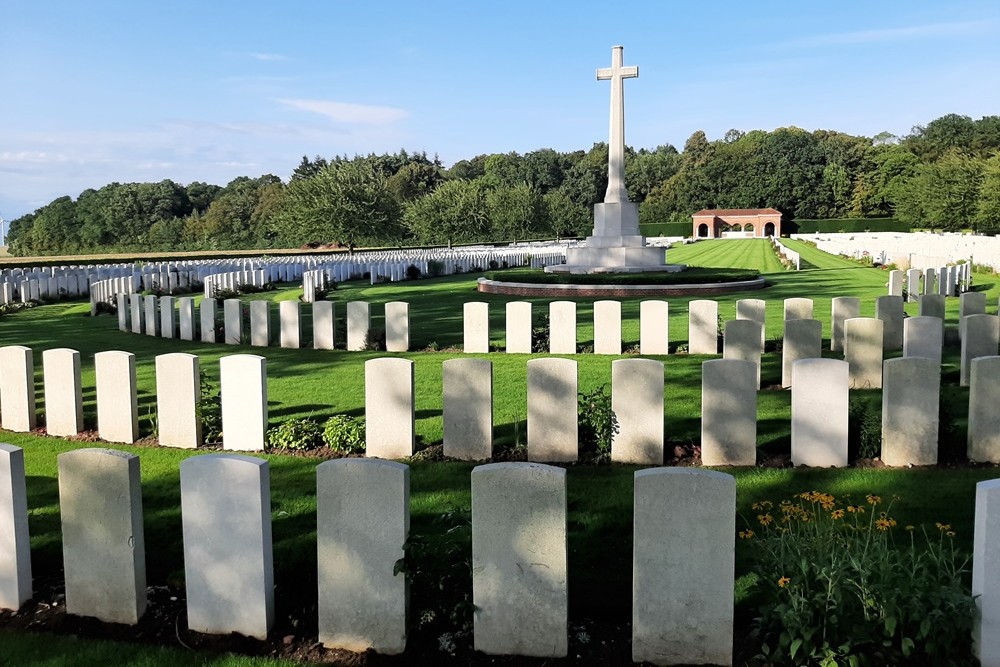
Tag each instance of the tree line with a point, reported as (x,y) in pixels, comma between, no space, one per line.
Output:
(945,175)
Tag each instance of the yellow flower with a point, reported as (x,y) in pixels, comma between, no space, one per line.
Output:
(873,499)
(943,526)
(882,524)
(837,514)
(855,509)
(950,533)
(765,519)
(746,534)
(783,582)
(909,527)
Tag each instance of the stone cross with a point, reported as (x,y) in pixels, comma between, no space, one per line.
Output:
(616,143)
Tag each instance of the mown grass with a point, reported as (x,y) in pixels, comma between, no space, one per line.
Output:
(735,253)
(319,383)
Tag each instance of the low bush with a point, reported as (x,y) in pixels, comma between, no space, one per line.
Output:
(300,434)
(835,587)
(845,225)
(413,272)
(597,422)
(375,340)
(666,229)
(343,433)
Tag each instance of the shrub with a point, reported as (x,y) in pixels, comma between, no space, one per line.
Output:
(435,268)
(540,335)
(597,422)
(413,272)
(375,340)
(209,408)
(835,588)
(864,429)
(343,433)
(302,434)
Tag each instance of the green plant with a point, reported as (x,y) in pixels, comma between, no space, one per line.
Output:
(435,268)
(835,588)
(864,429)
(597,422)
(540,335)
(302,434)
(343,433)
(375,340)
(413,272)
(209,408)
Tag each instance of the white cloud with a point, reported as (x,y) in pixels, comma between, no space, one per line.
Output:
(929,31)
(346,112)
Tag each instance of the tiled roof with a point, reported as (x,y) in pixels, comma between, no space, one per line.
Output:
(737,211)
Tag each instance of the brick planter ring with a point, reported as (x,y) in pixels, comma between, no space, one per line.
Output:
(557,290)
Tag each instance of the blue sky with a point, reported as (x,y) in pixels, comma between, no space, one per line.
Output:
(97,91)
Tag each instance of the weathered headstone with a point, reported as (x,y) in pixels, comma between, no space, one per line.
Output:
(910,390)
(135,312)
(208,315)
(703,327)
(842,309)
(984,418)
(863,351)
(63,392)
(742,341)
(468,408)
(798,308)
(397,326)
(982,339)
(178,391)
(168,317)
(803,340)
(105,567)
(519,327)
(519,591)
(562,327)
(729,412)
(986,573)
(17,389)
(389,412)
(682,588)
(358,323)
(232,312)
(819,412)
(896,283)
(324,324)
(931,305)
(228,563)
(930,276)
(121,302)
(243,389)
(185,313)
(607,327)
(290,317)
(151,312)
(637,401)
(970,303)
(362,524)
(654,319)
(552,410)
(260,323)
(476,327)
(889,309)
(923,336)
(117,402)
(755,310)
(15,547)
(913,284)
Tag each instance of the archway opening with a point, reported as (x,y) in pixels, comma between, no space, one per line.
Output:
(703,231)
(769,229)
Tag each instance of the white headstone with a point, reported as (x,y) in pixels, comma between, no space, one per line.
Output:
(930,276)
(476,319)
(923,336)
(728,412)
(803,340)
(755,310)
(742,341)
(233,315)
(178,392)
(519,327)
(970,303)
(982,339)
(637,401)
(291,324)
(358,323)
(607,327)
(135,310)
(842,308)
(984,418)
(468,408)
(703,327)
(117,402)
(15,547)
(151,315)
(63,392)
(260,323)
(931,305)
(910,390)
(185,310)
(913,284)
(324,325)
(229,582)
(798,308)
(243,389)
(986,573)
(397,326)
(863,351)
(682,585)
(17,389)
(363,521)
(654,318)
(896,283)
(105,566)
(552,410)
(562,327)
(208,315)
(819,412)
(389,413)
(519,556)
(168,318)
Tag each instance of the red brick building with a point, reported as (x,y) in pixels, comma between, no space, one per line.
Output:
(755,222)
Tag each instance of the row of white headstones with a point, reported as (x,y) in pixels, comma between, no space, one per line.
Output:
(362,518)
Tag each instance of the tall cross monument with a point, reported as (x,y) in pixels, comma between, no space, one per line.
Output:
(615,245)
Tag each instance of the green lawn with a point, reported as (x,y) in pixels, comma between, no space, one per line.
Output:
(319,383)
(736,253)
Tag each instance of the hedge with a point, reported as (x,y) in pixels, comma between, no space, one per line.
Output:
(666,229)
(845,225)
(693,275)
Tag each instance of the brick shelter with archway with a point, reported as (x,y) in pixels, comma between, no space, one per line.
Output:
(711,223)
